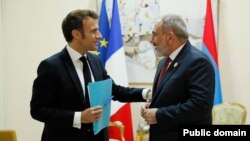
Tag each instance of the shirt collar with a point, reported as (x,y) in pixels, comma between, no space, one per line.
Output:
(173,55)
(74,55)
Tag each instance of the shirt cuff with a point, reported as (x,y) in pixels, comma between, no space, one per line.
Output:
(77,120)
(144,93)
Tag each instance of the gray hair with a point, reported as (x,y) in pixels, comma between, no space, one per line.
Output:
(176,24)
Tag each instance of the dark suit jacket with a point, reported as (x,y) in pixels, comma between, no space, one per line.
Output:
(185,94)
(57,95)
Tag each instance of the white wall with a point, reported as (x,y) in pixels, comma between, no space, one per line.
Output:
(30,30)
(1,68)
(32,33)
(234,48)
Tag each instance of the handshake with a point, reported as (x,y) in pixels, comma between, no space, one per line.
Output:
(149,96)
(149,114)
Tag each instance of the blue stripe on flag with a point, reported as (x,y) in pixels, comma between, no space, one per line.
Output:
(217,93)
(111,38)
(104,29)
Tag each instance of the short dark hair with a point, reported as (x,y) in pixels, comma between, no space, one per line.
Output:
(74,21)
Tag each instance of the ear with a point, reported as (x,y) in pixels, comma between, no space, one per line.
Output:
(171,36)
(76,34)
(167,37)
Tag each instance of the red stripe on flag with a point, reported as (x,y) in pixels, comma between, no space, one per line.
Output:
(123,115)
(209,36)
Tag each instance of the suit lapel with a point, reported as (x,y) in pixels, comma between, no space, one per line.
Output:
(165,79)
(169,73)
(172,68)
(72,72)
(94,68)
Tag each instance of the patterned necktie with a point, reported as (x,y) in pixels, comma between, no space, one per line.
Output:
(87,79)
(163,71)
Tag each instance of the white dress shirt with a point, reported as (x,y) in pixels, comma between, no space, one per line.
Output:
(75,57)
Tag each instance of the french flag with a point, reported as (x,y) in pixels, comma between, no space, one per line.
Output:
(111,53)
(209,48)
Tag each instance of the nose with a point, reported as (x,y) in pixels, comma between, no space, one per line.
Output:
(99,35)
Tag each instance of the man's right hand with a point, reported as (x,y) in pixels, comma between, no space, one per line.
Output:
(91,114)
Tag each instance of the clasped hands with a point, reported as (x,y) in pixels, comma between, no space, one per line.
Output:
(149,114)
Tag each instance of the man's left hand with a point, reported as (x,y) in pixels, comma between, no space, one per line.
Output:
(149,115)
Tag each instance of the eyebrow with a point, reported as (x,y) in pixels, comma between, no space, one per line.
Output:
(94,29)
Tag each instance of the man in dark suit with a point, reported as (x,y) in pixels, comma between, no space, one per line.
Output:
(183,88)
(60,98)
